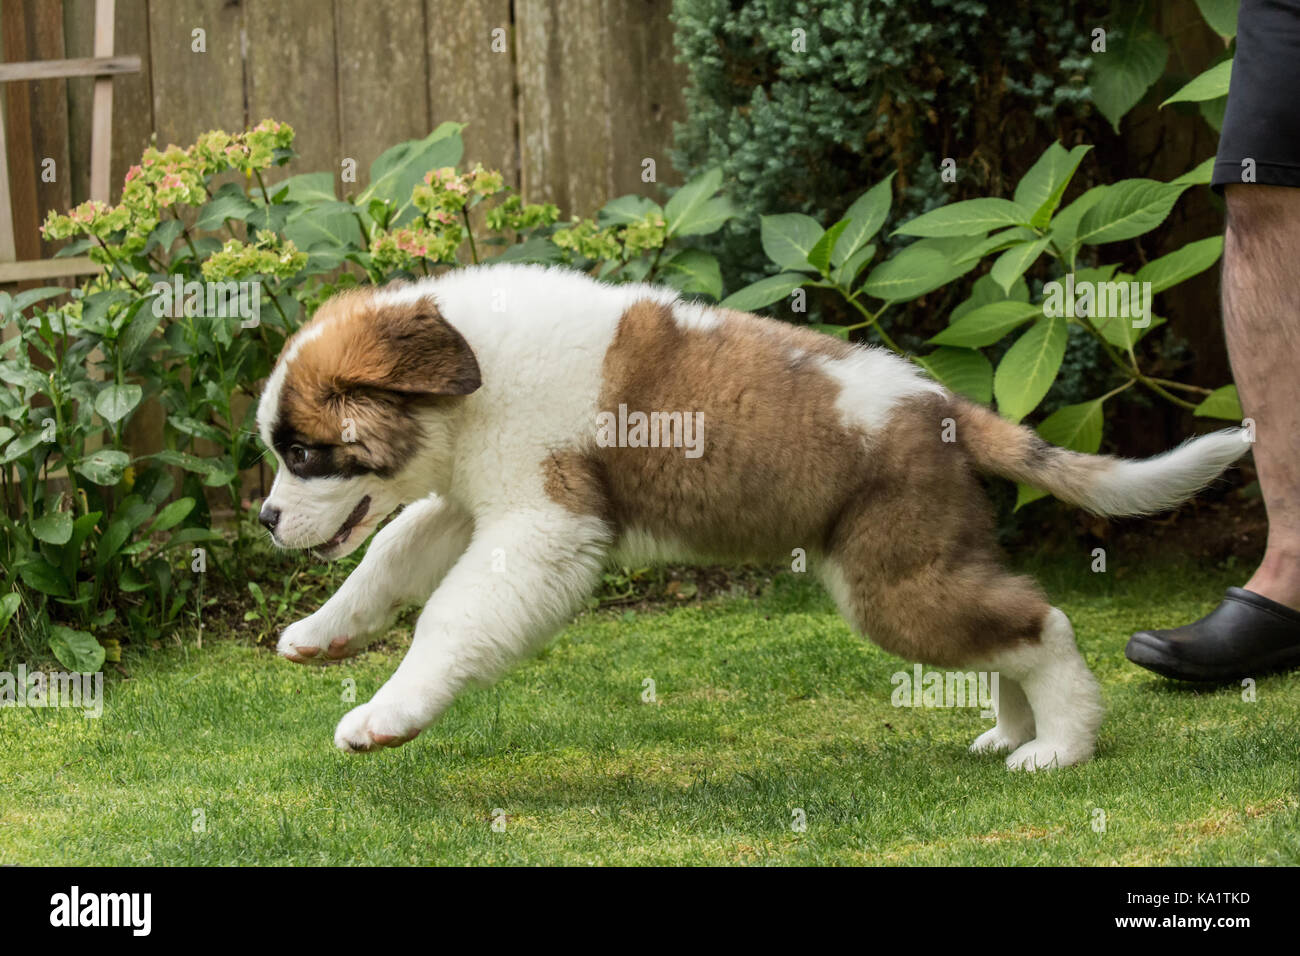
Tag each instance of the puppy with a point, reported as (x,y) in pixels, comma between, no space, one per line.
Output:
(535,423)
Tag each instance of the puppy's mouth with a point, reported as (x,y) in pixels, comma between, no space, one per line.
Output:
(340,536)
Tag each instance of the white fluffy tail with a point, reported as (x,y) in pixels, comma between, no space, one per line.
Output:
(1098,483)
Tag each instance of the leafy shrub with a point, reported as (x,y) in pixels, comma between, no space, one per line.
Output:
(92,533)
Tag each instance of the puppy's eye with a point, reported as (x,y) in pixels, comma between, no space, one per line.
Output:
(299,455)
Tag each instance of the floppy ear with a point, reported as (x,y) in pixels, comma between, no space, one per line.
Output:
(416,353)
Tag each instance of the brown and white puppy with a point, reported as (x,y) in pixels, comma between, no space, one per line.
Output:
(535,422)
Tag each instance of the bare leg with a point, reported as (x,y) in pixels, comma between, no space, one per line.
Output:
(1261,298)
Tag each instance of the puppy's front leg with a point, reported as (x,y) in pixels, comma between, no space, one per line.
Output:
(404,564)
(521,579)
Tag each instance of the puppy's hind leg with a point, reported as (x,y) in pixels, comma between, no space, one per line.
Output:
(1062,693)
(403,565)
(1015,723)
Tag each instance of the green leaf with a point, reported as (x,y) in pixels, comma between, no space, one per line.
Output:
(915,271)
(820,256)
(172,515)
(9,605)
(1200,175)
(987,324)
(847,272)
(1076,427)
(330,227)
(140,323)
(1221,403)
(707,217)
(1181,264)
(965,371)
(789,238)
(76,650)
(1042,187)
(1011,265)
(309,188)
(686,201)
(1128,208)
(398,170)
(1210,85)
(967,218)
(229,202)
(23,299)
(1005,239)
(53,528)
(763,292)
(628,209)
(1122,75)
(21,446)
(1221,15)
(115,402)
(1029,367)
(693,270)
(867,214)
(104,467)
(40,575)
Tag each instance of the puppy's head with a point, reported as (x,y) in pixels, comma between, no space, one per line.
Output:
(355,412)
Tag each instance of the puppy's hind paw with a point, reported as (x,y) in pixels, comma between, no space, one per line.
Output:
(997,739)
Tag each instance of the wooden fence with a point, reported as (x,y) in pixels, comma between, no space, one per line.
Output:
(566,97)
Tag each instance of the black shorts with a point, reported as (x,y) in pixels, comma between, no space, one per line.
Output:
(1262,121)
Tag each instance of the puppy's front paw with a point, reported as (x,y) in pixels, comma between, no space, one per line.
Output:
(375,725)
(1046,754)
(314,638)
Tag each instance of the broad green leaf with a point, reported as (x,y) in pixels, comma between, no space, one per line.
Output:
(920,268)
(820,256)
(180,459)
(76,650)
(140,322)
(684,203)
(967,218)
(1128,208)
(22,300)
(1122,75)
(115,402)
(1199,175)
(965,371)
(1210,85)
(1221,403)
(398,170)
(1005,239)
(1011,265)
(693,270)
(330,226)
(867,214)
(229,202)
(1042,187)
(21,446)
(53,528)
(1213,111)
(987,324)
(1029,367)
(309,188)
(9,605)
(1064,229)
(1221,15)
(627,209)
(1181,264)
(848,271)
(104,467)
(706,218)
(40,575)
(788,238)
(764,292)
(172,515)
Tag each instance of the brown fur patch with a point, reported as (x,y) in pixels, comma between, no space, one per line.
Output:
(899,512)
(371,366)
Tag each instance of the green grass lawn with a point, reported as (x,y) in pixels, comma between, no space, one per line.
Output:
(764,705)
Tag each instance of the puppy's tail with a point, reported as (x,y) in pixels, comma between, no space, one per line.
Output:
(1098,483)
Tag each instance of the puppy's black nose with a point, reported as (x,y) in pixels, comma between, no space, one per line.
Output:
(270,517)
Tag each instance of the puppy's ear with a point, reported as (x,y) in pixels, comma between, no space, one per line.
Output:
(415,353)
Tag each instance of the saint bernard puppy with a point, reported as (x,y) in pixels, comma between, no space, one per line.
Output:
(533,423)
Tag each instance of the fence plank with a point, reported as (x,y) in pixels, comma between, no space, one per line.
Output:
(645,93)
(194,92)
(382,81)
(470,83)
(291,78)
